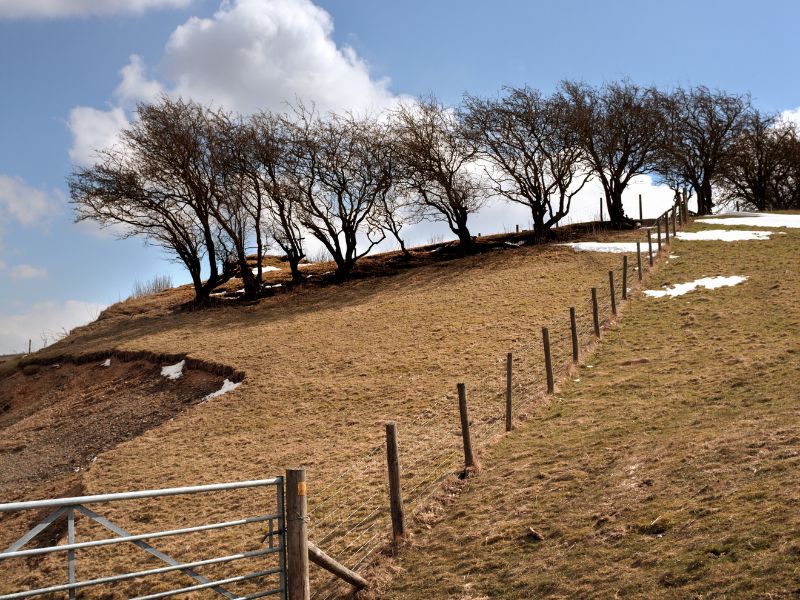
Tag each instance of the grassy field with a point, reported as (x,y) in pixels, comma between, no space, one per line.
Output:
(325,368)
(667,467)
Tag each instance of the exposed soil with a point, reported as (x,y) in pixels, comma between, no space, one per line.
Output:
(55,419)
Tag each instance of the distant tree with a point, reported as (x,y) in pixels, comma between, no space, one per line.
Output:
(438,166)
(620,126)
(762,169)
(342,174)
(701,127)
(536,158)
(159,183)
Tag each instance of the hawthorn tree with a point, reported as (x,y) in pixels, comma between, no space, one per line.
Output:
(702,126)
(535,157)
(159,183)
(620,127)
(438,168)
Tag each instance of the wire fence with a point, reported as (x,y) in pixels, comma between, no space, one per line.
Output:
(350,517)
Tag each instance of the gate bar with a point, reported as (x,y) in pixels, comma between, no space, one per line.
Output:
(196,489)
(135,538)
(158,571)
(205,586)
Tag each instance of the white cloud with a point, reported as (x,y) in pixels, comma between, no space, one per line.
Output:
(24,203)
(49,9)
(250,55)
(135,86)
(255,54)
(44,323)
(791,116)
(26,271)
(92,130)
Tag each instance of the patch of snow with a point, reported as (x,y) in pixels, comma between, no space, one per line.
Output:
(514,244)
(673,256)
(723,235)
(106,363)
(710,283)
(756,220)
(266,269)
(173,371)
(277,285)
(227,386)
(619,247)
(216,294)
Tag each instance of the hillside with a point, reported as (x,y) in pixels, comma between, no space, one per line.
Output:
(667,467)
(656,435)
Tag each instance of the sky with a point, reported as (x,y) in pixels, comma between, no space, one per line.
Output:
(71,71)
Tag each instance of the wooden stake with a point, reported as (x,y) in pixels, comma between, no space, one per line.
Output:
(573,323)
(517,228)
(658,228)
(601,210)
(650,247)
(29,345)
(509,415)
(548,363)
(469,459)
(395,495)
(319,558)
(613,293)
(297,534)
(595,313)
(625,277)
(666,225)
(641,212)
(639,259)
(674,231)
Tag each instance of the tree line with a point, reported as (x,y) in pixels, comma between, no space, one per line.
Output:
(212,187)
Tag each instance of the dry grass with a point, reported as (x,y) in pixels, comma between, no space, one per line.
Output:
(670,469)
(325,368)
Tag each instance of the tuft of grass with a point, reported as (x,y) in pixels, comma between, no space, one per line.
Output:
(157,284)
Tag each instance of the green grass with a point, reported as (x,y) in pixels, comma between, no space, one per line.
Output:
(671,468)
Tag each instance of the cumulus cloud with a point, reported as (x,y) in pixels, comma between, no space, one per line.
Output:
(250,55)
(26,271)
(791,116)
(50,9)
(92,130)
(24,203)
(44,323)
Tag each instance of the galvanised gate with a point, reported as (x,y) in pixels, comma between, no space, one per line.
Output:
(270,575)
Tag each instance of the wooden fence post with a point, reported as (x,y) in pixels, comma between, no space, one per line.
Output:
(650,246)
(517,228)
(613,293)
(509,414)
(297,534)
(469,459)
(29,345)
(601,210)
(666,226)
(625,277)
(548,362)
(595,313)
(674,230)
(641,212)
(395,494)
(658,229)
(639,259)
(573,323)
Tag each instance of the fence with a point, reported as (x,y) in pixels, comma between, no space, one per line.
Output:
(365,510)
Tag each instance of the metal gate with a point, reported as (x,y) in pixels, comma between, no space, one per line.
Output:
(271,580)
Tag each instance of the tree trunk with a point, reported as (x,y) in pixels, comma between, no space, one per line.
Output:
(616,212)
(704,201)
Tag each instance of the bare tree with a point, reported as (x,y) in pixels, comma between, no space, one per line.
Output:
(620,126)
(342,174)
(438,166)
(273,170)
(702,126)
(536,158)
(158,183)
(762,168)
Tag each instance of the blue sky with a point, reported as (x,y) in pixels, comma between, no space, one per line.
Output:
(68,80)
